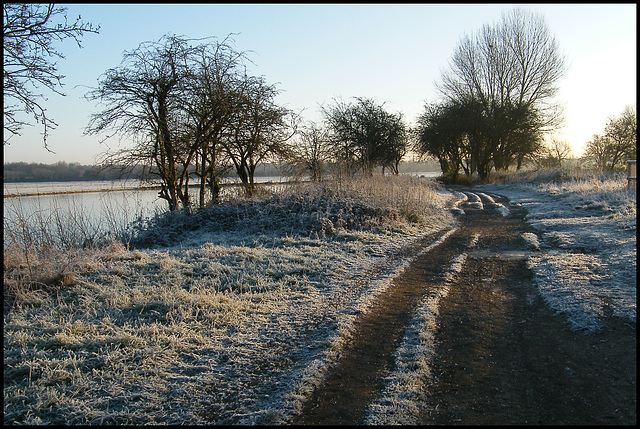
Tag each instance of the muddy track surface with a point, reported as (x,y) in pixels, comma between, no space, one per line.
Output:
(500,355)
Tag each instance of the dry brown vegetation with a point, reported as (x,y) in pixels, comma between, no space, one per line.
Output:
(224,324)
(233,314)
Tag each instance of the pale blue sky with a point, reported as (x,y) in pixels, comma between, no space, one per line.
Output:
(393,53)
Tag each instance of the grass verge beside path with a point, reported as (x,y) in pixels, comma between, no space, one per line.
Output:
(231,315)
(585,227)
(222,316)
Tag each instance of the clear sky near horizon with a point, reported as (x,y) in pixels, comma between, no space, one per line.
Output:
(320,52)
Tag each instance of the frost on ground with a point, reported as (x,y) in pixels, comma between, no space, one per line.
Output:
(461,197)
(586,231)
(504,211)
(406,387)
(232,316)
(531,240)
(229,316)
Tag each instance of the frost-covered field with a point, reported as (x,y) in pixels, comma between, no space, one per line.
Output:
(585,229)
(233,315)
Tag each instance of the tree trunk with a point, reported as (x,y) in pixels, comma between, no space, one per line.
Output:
(203,177)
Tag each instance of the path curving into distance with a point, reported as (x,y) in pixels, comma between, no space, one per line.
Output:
(463,337)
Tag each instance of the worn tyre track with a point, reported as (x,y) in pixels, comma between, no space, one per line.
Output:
(500,357)
(503,357)
(352,384)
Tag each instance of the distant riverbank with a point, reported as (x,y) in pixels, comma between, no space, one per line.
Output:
(28,189)
(22,172)
(31,189)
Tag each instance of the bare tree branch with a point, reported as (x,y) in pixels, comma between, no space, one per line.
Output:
(29,62)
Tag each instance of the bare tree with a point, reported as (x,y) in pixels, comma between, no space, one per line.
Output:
(396,136)
(312,151)
(144,101)
(261,129)
(553,154)
(517,62)
(30,31)
(622,132)
(443,132)
(340,120)
(211,109)
(597,152)
(618,142)
(512,69)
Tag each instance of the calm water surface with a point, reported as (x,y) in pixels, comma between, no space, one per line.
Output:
(95,205)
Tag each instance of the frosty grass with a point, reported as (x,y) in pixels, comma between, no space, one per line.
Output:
(237,327)
(586,234)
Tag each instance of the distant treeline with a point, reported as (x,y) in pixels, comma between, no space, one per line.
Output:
(64,172)
(15,172)
(71,172)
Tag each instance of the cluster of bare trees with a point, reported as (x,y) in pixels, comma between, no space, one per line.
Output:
(313,151)
(355,138)
(194,110)
(497,98)
(363,135)
(553,154)
(611,150)
(191,110)
(194,113)
(191,105)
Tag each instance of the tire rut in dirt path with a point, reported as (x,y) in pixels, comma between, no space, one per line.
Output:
(503,357)
(355,380)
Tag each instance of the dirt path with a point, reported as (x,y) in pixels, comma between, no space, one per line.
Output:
(501,357)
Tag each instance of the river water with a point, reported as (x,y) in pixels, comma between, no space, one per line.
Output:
(94,207)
